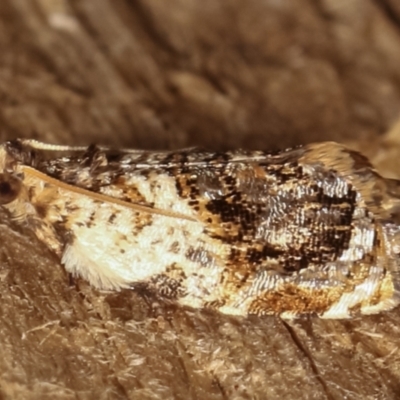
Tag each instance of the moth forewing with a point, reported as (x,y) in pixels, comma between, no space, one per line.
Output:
(110,242)
(303,231)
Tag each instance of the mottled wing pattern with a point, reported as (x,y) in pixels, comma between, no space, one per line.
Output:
(311,230)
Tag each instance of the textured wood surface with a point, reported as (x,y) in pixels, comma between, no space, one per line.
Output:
(167,74)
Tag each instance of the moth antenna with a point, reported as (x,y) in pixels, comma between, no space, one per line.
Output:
(102,197)
(50,147)
(36,144)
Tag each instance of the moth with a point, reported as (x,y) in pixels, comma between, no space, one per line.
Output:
(313,230)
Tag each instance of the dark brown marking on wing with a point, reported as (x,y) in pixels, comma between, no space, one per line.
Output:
(164,285)
(360,161)
(112,218)
(200,255)
(231,217)
(130,193)
(175,247)
(167,287)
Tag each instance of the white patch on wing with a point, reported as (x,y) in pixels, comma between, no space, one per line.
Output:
(158,190)
(112,255)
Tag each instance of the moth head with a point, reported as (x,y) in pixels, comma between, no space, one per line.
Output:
(11,176)
(10,188)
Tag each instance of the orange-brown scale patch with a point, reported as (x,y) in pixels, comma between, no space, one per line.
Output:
(130,192)
(296,300)
(141,221)
(385,291)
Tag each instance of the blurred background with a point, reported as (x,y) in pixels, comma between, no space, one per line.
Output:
(220,74)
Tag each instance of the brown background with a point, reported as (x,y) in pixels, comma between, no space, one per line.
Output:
(166,74)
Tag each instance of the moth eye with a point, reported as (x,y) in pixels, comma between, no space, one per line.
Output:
(10,188)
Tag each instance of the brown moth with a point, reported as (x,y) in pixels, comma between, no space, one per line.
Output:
(311,230)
